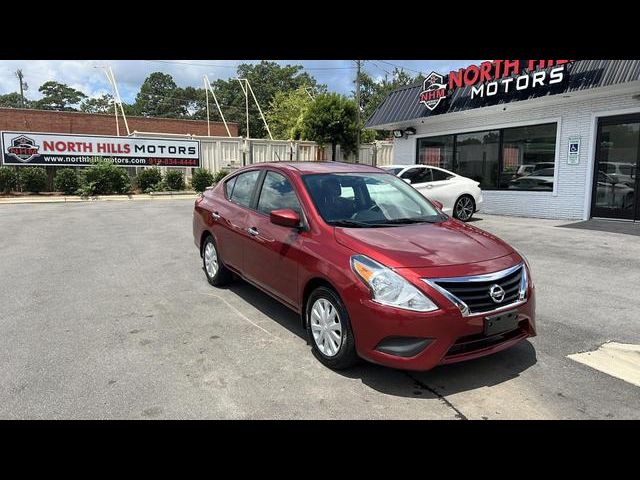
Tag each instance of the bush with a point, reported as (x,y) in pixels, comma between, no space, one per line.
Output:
(33,179)
(8,179)
(105,178)
(66,181)
(219,175)
(201,179)
(149,179)
(174,180)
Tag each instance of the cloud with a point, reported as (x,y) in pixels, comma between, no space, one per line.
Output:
(86,76)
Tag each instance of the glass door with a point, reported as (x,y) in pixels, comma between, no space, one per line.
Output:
(617,162)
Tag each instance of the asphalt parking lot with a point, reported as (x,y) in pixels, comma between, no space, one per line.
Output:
(106,313)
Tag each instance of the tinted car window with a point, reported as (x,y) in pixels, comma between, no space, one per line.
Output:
(440,175)
(378,199)
(277,193)
(418,175)
(228,187)
(243,188)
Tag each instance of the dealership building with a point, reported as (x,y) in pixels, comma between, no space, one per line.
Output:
(545,138)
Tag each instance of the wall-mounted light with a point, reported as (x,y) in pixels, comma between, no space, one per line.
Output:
(404,133)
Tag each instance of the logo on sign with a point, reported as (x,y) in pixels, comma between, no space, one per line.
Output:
(433,90)
(23,148)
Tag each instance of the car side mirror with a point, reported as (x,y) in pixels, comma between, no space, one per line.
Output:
(407,180)
(437,204)
(285,217)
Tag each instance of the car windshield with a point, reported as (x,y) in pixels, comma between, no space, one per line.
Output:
(360,200)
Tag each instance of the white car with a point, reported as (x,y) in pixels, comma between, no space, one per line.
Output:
(460,196)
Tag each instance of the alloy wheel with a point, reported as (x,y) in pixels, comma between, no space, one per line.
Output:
(464,208)
(211,260)
(326,327)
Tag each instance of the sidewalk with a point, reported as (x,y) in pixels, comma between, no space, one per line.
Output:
(76,198)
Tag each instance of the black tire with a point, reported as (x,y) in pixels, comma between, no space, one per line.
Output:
(464,208)
(222,276)
(346,355)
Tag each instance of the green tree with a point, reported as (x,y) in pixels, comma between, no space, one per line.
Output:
(373,93)
(331,118)
(159,96)
(13,100)
(266,79)
(58,96)
(102,104)
(195,103)
(286,113)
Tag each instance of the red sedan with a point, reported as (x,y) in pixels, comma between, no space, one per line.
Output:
(375,270)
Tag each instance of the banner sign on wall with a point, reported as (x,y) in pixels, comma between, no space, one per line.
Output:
(58,149)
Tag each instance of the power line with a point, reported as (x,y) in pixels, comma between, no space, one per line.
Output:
(236,66)
(401,67)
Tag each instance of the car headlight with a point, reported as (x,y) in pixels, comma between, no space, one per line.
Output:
(526,262)
(389,288)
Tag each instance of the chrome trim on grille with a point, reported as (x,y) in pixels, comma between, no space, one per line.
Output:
(487,277)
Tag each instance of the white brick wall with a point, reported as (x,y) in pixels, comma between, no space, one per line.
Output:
(576,118)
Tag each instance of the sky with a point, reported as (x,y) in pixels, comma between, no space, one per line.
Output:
(88,77)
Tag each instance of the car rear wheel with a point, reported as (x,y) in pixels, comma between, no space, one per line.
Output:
(464,208)
(329,330)
(217,273)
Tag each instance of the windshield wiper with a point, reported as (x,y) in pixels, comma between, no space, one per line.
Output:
(351,223)
(401,221)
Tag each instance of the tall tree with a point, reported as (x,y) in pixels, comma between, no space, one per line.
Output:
(331,118)
(286,113)
(13,100)
(58,96)
(159,96)
(373,93)
(102,104)
(266,79)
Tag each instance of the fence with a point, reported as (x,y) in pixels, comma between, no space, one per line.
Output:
(230,153)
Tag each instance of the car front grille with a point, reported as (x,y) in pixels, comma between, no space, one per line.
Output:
(472,294)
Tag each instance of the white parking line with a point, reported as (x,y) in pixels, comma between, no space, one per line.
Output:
(620,360)
(242,315)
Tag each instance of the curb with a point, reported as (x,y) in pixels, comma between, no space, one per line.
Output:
(106,198)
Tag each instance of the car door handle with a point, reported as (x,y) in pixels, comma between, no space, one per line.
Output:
(253,231)
(215,215)
(429,186)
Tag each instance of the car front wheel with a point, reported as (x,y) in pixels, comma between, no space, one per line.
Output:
(329,330)
(217,273)
(464,208)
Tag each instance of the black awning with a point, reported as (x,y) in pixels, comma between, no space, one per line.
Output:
(403,104)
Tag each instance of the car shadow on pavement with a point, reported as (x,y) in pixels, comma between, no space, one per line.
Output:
(438,382)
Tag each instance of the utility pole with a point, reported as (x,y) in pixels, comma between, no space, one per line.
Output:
(358,62)
(23,86)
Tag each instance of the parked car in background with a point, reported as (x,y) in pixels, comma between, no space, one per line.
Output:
(612,193)
(460,196)
(529,169)
(375,270)
(620,172)
(536,180)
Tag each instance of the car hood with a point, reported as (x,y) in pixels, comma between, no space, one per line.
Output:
(424,245)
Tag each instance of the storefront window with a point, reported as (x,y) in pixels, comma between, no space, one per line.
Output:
(477,157)
(528,157)
(520,158)
(436,151)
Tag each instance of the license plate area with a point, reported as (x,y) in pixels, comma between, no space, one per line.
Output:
(504,322)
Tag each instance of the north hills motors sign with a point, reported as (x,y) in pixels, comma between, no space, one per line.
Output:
(57,149)
(491,78)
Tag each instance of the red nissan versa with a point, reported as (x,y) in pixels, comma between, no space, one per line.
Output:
(374,268)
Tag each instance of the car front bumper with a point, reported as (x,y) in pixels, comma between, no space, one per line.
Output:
(410,340)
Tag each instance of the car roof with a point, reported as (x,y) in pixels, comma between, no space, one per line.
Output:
(303,168)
